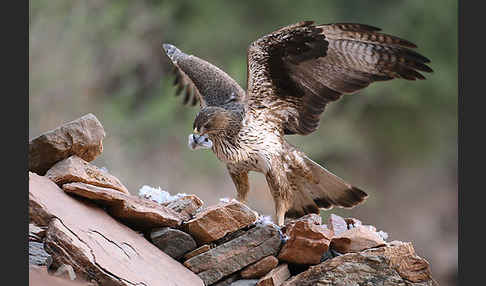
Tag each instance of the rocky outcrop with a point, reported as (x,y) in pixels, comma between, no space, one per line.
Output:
(82,137)
(85,226)
(396,264)
(99,247)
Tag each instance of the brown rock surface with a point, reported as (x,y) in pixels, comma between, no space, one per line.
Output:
(134,211)
(38,276)
(392,265)
(82,137)
(173,242)
(306,244)
(186,206)
(75,169)
(356,239)
(197,251)
(275,277)
(260,268)
(217,221)
(234,255)
(99,247)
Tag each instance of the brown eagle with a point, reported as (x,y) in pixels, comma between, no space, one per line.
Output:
(293,73)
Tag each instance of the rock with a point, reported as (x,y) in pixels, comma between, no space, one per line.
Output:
(356,239)
(245,282)
(259,268)
(336,224)
(75,169)
(36,233)
(234,255)
(228,280)
(393,265)
(82,137)
(136,212)
(97,246)
(275,277)
(186,206)
(38,276)
(37,254)
(311,218)
(197,251)
(306,244)
(217,221)
(173,242)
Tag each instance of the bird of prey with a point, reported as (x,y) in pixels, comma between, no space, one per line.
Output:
(293,73)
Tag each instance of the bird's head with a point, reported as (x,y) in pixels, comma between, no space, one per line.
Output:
(211,121)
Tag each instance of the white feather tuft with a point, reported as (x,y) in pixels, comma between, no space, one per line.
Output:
(158,195)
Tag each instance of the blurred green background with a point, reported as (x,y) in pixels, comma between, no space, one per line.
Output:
(397,140)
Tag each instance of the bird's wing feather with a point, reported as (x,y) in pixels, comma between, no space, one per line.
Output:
(204,82)
(297,70)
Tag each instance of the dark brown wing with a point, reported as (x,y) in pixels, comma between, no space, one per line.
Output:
(202,81)
(297,70)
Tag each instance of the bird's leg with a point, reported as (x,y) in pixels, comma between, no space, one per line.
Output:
(240,179)
(281,192)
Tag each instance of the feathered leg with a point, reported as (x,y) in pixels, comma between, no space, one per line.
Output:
(281,190)
(240,179)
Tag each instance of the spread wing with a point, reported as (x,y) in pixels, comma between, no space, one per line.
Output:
(297,70)
(201,81)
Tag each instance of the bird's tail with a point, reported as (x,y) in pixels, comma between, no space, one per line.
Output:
(327,191)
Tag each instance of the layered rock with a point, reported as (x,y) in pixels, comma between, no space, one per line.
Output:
(259,268)
(82,137)
(75,169)
(275,277)
(137,212)
(392,265)
(232,256)
(97,246)
(217,221)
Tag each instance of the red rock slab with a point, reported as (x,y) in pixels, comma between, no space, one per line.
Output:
(75,169)
(136,212)
(82,137)
(98,246)
(356,239)
(306,244)
(259,268)
(219,220)
(197,251)
(391,265)
(276,277)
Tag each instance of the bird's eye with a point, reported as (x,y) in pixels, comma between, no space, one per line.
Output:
(205,139)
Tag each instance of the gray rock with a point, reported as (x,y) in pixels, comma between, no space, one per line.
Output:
(37,254)
(173,242)
(245,282)
(232,256)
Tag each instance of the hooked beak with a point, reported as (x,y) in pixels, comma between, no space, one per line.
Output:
(197,141)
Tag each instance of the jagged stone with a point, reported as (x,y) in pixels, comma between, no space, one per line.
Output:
(259,268)
(186,206)
(306,244)
(37,254)
(275,277)
(392,265)
(173,242)
(97,246)
(217,221)
(134,211)
(356,239)
(245,282)
(75,169)
(82,137)
(234,255)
